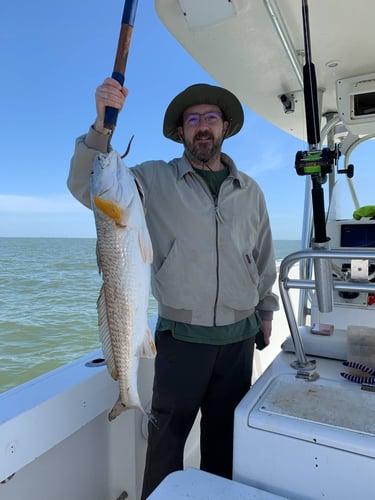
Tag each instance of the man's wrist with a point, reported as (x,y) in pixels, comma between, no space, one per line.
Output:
(98,127)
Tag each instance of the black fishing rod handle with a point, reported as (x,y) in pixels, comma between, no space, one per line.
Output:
(111,114)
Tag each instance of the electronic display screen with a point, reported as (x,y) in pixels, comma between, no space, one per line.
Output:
(358,235)
(364,104)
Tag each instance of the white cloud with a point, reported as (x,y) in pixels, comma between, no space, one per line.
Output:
(18,204)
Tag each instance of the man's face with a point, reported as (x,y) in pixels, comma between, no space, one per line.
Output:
(202,131)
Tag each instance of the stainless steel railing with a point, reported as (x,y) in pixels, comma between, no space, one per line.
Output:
(286,284)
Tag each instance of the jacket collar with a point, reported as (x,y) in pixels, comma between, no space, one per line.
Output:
(184,167)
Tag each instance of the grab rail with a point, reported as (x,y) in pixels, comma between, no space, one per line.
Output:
(285,284)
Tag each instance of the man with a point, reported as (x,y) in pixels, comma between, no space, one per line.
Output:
(213,272)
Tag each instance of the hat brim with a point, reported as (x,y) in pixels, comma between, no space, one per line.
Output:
(203,94)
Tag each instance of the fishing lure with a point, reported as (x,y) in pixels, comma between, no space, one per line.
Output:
(359,379)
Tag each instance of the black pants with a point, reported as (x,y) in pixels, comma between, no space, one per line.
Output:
(189,377)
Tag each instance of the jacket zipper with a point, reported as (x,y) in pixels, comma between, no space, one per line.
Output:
(217,219)
(215,199)
(217,256)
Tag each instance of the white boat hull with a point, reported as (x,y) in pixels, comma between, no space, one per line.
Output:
(58,442)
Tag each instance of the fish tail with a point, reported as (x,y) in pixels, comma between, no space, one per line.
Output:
(119,408)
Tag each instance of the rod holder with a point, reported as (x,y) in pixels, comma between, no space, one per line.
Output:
(323,279)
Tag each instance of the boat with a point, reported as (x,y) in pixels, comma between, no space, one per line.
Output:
(304,430)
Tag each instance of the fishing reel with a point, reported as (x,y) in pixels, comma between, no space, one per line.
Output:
(317,163)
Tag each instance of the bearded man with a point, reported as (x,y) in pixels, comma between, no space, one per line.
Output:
(213,272)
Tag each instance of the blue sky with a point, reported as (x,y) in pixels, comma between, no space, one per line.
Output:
(53,55)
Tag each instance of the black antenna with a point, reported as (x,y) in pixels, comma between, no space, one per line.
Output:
(310,89)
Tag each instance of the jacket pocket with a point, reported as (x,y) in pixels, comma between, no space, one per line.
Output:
(162,282)
(239,283)
(251,267)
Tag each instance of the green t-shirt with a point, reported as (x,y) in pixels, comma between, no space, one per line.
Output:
(213,179)
(216,335)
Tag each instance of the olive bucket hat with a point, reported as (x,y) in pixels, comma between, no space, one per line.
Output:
(203,93)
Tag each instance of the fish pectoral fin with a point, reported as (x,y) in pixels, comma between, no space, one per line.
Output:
(111,210)
(145,245)
(148,348)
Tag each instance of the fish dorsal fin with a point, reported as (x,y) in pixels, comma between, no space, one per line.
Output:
(148,348)
(145,245)
(105,335)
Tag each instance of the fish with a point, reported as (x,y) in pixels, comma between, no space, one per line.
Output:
(124,257)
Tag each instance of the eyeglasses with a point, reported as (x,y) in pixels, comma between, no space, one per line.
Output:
(210,118)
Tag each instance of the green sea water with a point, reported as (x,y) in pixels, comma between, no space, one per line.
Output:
(48,293)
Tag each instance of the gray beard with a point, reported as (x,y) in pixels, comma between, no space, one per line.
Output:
(203,153)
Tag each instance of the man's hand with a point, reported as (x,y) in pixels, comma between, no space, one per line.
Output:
(267,328)
(110,93)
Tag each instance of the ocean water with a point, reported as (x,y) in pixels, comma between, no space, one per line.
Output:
(48,293)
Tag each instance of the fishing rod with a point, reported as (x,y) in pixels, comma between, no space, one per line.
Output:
(127,23)
(317,163)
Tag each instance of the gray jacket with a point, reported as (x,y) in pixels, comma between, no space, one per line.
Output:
(213,261)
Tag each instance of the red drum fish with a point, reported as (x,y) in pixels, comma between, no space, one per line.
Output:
(124,256)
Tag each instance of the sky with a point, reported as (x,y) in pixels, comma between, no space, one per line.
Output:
(52,57)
